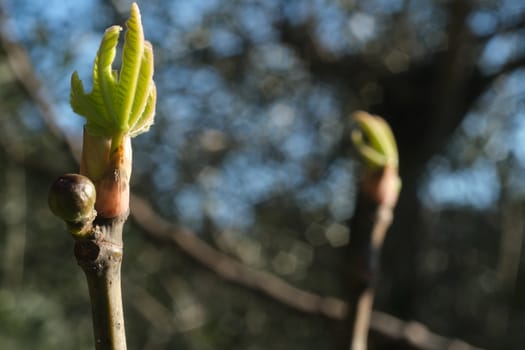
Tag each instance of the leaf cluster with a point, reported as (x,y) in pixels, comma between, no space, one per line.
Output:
(121,103)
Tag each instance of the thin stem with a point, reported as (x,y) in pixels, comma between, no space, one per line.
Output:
(382,220)
(362,320)
(365,298)
(100,256)
(368,229)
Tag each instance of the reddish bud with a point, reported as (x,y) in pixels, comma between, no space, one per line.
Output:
(383,186)
(109,167)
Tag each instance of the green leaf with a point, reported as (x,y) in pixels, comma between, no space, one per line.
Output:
(146,119)
(370,154)
(374,140)
(143,85)
(132,55)
(104,82)
(121,102)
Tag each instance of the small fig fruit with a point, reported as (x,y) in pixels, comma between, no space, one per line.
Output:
(72,198)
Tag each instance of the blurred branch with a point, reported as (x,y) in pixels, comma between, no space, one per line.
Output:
(14,213)
(413,334)
(21,66)
(512,227)
(229,268)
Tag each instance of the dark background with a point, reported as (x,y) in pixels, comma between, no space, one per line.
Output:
(250,154)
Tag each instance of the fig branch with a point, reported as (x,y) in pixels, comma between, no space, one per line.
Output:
(95,203)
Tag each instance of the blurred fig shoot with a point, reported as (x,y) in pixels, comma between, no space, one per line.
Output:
(379,188)
(375,143)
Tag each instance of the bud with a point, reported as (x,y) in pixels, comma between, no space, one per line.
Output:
(108,165)
(376,144)
(72,198)
(120,106)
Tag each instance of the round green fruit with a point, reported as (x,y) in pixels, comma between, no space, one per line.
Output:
(72,198)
